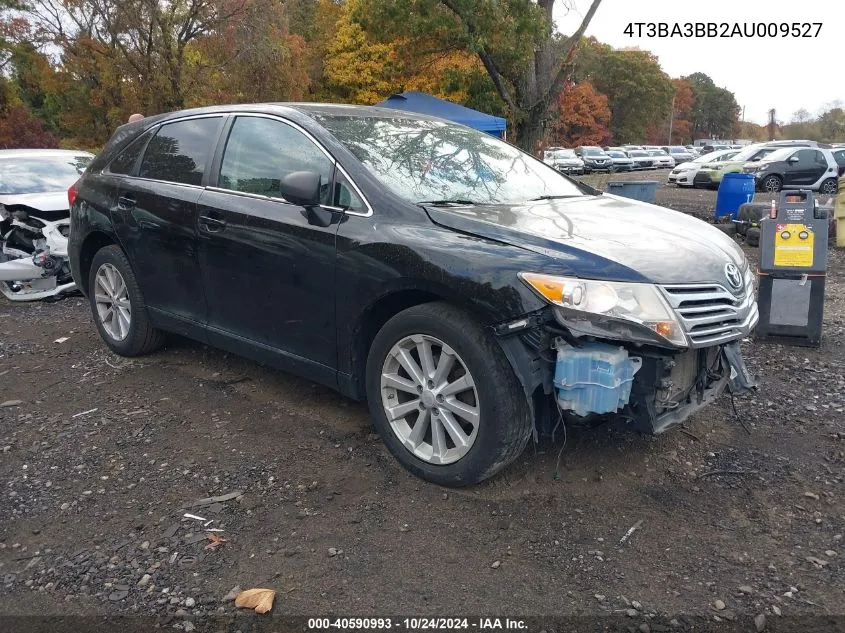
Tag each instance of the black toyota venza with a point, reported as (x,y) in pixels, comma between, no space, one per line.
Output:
(472,295)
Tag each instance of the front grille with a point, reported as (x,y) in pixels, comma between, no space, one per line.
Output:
(711,314)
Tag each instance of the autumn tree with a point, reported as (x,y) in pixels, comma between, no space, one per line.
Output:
(583,117)
(515,41)
(362,69)
(274,67)
(20,129)
(148,40)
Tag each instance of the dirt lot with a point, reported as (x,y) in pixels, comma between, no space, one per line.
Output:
(102,456)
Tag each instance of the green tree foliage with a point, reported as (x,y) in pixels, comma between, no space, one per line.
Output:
(638,90)
(716,112)
(829,126)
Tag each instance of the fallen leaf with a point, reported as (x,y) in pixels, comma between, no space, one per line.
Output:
(259,599)
(214,540)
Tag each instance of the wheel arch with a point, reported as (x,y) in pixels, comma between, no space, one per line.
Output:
(92,243)
(379,312)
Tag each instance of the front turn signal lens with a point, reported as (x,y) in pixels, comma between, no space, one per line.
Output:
(557,290)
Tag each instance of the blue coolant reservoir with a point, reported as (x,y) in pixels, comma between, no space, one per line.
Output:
(594,378)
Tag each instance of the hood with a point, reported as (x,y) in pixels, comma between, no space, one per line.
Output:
(605,237)
(55,201)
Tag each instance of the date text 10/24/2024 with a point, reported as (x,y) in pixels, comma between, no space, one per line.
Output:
(722,29)
(418,624)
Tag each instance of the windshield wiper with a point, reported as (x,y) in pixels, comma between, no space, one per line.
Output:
(452,201)
(552,198)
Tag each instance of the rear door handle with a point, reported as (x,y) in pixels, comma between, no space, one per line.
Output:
(126,203)
(211,224)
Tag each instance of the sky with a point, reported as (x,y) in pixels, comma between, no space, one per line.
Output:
(785,73)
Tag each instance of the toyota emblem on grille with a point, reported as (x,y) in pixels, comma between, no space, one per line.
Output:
(734,276)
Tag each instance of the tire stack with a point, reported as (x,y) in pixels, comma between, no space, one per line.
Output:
(749,216)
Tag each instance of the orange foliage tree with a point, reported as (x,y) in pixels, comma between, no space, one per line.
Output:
(583,117)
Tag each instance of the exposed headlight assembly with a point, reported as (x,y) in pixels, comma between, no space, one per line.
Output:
(609,309)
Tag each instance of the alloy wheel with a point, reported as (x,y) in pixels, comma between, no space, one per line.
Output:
(772,184)
(829,186)
(111,296)
(430,399)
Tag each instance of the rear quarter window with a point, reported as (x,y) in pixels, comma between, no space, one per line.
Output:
(124,163)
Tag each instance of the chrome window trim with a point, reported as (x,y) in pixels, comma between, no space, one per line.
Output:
(157,127)
(261,115)
(313,139)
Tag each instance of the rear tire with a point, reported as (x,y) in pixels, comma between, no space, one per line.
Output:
(422,434)
(118,305)
(829,186)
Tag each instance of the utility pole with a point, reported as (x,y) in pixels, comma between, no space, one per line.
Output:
(671,119)
(772,124)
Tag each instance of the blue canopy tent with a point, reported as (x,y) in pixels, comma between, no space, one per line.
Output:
(422,103)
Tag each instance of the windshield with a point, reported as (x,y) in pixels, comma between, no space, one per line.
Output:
(564,153)
(781,154)
(656,152)
(43,174)
(593,151)
(637,153)
(678,150)
(714,157)
(753,151)
(617,154)
(423,160)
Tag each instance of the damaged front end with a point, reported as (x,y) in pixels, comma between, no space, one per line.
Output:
(651,356)
(33,256)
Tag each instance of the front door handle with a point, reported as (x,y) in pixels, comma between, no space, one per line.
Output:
(126,203)
(211,224)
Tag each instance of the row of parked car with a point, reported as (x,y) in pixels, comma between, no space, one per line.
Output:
(586,159)
(775,165)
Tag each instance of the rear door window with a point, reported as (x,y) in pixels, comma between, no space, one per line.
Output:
(261,151)
(179,151)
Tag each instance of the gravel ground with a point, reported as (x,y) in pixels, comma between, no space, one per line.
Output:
(101,456)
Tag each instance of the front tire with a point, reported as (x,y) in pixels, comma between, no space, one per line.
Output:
(444,398)
(118,305)
(772,184)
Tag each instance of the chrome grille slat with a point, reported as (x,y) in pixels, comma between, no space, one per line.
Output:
(710,313)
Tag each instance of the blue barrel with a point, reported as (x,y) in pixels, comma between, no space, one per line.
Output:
(642,190)
(734,191)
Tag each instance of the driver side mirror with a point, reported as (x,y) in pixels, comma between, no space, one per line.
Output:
(301,187)
(792,160)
